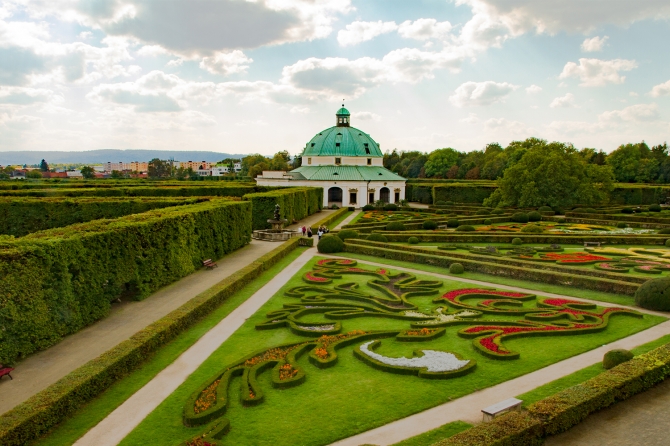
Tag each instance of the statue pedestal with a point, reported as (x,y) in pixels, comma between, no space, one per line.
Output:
(277,233)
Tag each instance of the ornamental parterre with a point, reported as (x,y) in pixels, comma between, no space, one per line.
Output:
(328,294)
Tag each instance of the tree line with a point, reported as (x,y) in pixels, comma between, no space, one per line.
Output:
(629,163)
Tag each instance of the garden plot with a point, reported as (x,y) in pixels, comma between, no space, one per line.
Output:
(343,348)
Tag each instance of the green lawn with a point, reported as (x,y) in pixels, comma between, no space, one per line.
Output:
(351,397)
(340,219)
(430,437)
(92,413)
(558,289)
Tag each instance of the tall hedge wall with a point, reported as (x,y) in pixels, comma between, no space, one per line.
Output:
(225,190)
(296,203)
(462,192)
(76,183)
(57,281)
(21,216)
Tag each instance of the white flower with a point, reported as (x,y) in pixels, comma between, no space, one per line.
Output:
(432,360)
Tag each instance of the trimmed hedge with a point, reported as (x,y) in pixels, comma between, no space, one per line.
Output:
(377,237)
(228,190)
(654,294)
(330,244)
(413,240)
(569,407)
(395,226)
(471,192)
(295,204)
(21,216)
(429,224)
(57,281)
(456,268)
(41,412)
(348,233)
(615,357)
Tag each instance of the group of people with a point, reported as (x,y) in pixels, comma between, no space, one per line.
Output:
(307,231)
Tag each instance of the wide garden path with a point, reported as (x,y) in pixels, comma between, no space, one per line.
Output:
(44,368)
(640,420)
(128,415)
(468,408)
(347,220)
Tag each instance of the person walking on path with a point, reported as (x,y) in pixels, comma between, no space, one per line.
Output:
(309,232)
(304,230)
(320,233)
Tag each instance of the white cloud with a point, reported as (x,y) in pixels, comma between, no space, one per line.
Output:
(533,89)
(509,126)
(660,89)
(424,29)
(471,119)
(633,94)
(596,72)
(152,51)
(358,32)
(634,113)
(175,62)
(594,44)
(481,93)
(366,116)
(226,63)
(299,110)
(21,96)
(563,101)
(85,35)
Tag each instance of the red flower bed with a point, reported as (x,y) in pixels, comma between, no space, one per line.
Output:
(452,295)
(312,278)
(574,257)
(559,302)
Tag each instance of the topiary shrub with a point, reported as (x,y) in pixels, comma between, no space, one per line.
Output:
(627,211)
(440,212)
(623,225)
(390,207)
(413,240)
(664,231)
(377,237)
(452,223)
(586,210)
(456,268)
(465,228)
(544,209)
(330,244)
(534,216)
(368,207)
(667,242)
(440,203)
(487,221)
(395,226)
(497,212)
(483,212)
(532,229)
(347,233)
(517,241)
(520,217)
(429,224)
(615,357)
(655,208)
(654,294)
(561,221)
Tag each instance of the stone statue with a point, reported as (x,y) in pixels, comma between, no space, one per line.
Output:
(277,216)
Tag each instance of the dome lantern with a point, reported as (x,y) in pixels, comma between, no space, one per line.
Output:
(342,117)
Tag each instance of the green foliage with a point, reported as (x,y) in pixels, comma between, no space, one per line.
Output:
(137,190)
(497,212)
(552,174)
(655,208)
(456,268)
(47,408)
(615,357)
(390,207)
(330,244)
(463,192)
(413,240)
(622,225)
(88,172)
(654,294)
(544,209)
(517,241)
(377,237)
(664,231)
(34,174)
(21,216)
(532,229)
(429,224)
(534,216)
(520,217)
(57,281)
(368,207)
(452,223)
(347,233)
(627,211)
(440,160)
(295,204)
(667,242)
(395,226)
(483,212)
(465,228)
(487,221)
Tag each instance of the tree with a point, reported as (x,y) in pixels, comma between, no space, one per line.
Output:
(34,174)
(44,166)
(552,175)
(280,161)
(440,160)
(117,174)
(88,172)
(157,169)
(625,162)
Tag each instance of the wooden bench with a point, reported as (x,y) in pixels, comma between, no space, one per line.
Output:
(499,408)
(587,244)
(209,264)
(6,371)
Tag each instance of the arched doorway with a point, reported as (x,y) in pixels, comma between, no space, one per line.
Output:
(334,196)
(384,194)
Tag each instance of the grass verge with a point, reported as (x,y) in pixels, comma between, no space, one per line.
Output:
(430,437)
(67,432)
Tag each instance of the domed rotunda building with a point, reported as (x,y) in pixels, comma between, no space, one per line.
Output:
(347,163)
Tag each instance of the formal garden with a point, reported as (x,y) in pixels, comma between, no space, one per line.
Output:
(401,309)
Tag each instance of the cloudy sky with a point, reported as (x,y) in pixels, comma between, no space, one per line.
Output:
(245,76)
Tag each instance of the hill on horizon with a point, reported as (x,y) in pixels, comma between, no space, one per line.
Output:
(111,155)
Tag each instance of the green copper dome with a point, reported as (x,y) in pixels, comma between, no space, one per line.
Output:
(343,111)
(342,141)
